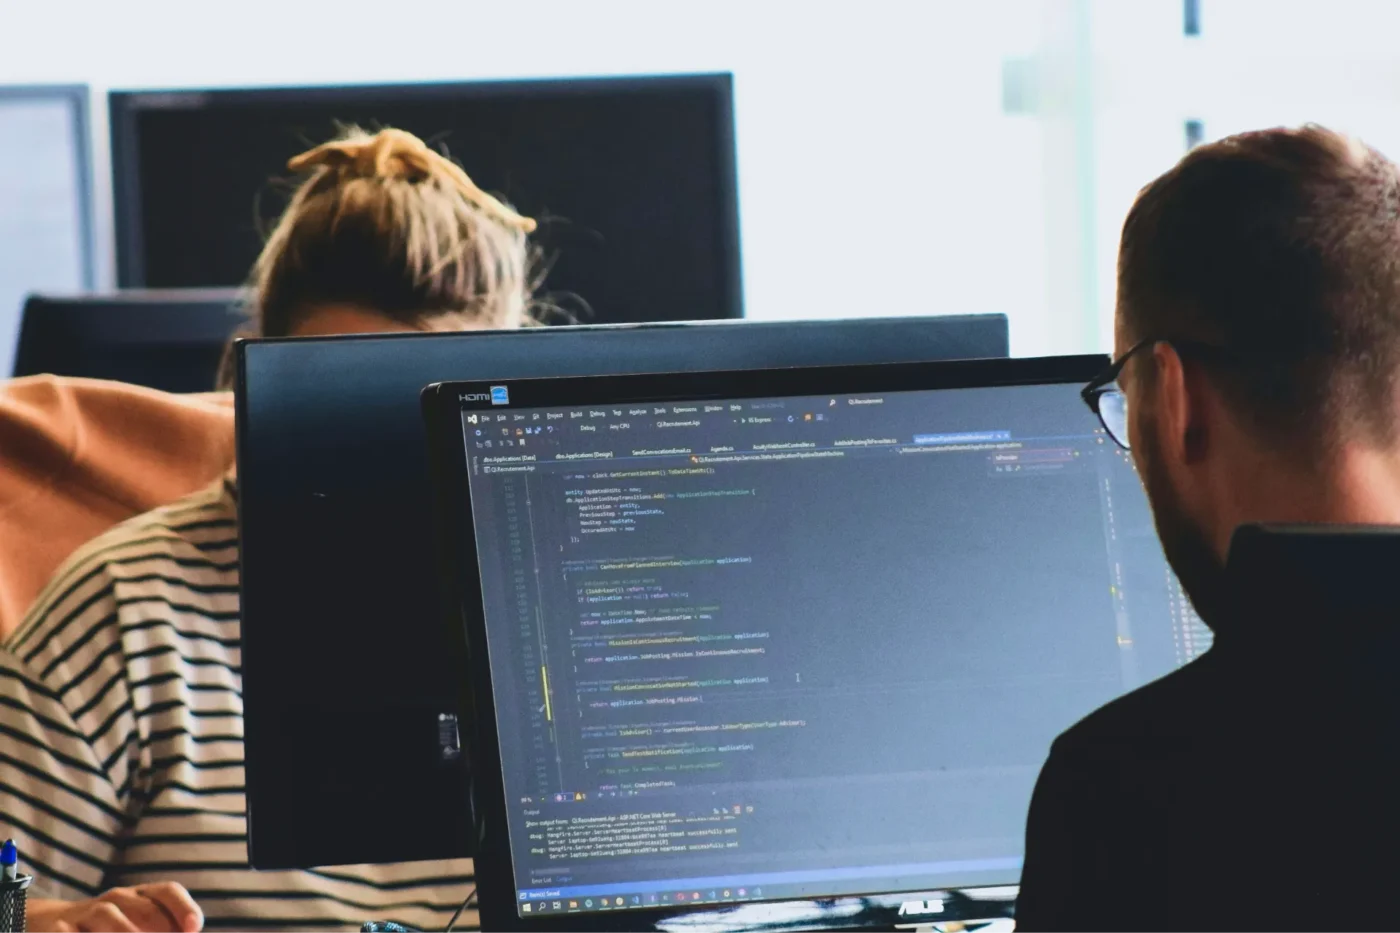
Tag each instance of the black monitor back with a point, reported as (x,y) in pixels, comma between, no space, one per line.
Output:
(169,340)
(632,179)
(347,673)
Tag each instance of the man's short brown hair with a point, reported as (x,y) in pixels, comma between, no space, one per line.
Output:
(1283,247)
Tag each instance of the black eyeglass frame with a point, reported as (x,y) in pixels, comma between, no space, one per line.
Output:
(1104,382)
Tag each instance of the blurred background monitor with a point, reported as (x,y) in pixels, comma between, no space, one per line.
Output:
(347,670)
(631,179)
(170,340)
(45,199)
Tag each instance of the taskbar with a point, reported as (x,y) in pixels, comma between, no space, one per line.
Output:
(634,901)
(768,886)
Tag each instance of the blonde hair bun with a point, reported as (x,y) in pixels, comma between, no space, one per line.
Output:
(397,154)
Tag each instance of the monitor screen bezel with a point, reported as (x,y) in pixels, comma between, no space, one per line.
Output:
(465,618)
(125,107)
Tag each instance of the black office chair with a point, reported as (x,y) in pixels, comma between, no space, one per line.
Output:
(170,340)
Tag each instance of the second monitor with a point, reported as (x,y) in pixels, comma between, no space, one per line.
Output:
(343,646)
(168,340)
(632,179)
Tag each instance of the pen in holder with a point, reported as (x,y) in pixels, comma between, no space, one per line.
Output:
(13,887)
(12,896)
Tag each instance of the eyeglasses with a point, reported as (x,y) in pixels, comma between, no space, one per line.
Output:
(1106,400)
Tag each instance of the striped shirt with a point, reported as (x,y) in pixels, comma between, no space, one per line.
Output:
(121,739)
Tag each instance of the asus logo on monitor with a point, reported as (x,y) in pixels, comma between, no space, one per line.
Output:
(499,395)
(921,908)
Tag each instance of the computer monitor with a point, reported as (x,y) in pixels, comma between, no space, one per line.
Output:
(748,637)
(45,189)
(168,340)
(632,179)
(345,673)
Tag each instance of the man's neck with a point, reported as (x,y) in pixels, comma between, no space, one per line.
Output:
(1356,485)
(1361,488)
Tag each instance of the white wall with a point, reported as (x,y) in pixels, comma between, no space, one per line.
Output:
(1332,63)
(879,173)
(879,170)
(41,235)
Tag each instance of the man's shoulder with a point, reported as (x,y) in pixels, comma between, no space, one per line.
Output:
(1150,713)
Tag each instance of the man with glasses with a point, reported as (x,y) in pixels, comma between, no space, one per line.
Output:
(1258,333)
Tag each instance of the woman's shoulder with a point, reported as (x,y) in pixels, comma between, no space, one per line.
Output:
(191,545)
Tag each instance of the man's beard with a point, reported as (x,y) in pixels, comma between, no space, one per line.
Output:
(1185,543)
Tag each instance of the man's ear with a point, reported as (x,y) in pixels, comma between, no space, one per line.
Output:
(1179,399)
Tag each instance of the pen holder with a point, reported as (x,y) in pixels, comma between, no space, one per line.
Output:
(12,896)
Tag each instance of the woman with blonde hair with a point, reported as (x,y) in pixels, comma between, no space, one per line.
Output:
(387,234)
(123,767)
